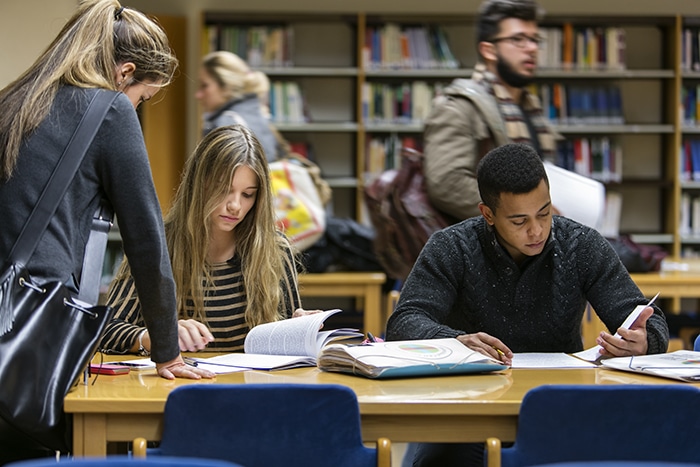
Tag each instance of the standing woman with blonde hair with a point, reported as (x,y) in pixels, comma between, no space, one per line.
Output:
(231,93)
(233,268)
(104,46)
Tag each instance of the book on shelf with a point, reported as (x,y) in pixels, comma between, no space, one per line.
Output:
(588,47)
(259,46)
(599,158)
(396,359)
(286,103)
(395,47)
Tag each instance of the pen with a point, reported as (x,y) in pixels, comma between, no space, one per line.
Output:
(371,337)
(189,361)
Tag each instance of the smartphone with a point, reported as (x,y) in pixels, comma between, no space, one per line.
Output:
(108,369)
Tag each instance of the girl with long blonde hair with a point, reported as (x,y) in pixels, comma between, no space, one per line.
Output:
(232,267)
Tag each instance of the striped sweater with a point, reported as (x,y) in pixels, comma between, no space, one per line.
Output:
(225,304)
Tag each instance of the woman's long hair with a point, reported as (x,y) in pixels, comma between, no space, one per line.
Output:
(263,251)
(100,36)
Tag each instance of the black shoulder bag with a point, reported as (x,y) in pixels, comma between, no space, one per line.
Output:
(47,338)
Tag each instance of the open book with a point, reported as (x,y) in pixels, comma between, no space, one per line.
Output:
(280,345)
(682,365)
(429,357)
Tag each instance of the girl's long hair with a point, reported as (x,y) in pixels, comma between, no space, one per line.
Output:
(100,36)
(263,251)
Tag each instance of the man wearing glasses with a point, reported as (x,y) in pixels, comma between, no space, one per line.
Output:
(473,116)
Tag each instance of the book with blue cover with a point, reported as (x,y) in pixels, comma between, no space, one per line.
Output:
(397,359)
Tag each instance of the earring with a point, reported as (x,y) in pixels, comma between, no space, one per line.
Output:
(119,83)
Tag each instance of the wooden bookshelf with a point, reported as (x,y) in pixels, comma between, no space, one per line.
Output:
(332,77)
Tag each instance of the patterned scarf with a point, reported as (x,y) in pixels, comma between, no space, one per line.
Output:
(516,126)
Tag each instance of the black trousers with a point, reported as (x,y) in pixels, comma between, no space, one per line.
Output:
(15,446)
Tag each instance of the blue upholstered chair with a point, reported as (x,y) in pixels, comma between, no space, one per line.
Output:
(262,425)
(696,345)
(126,461)
(620,464)
(567,423)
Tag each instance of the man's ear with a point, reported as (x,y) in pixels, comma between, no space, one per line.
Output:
(487,213)
(487,50)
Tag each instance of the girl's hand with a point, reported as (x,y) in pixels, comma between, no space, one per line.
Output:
(301,312)
(193,335)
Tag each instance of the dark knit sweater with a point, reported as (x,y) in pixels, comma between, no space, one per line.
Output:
(115,167)
(465,282)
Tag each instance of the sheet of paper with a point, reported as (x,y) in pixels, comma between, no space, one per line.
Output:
(683,365)
(548,360)
(592,354)
(575,196)
(230,362)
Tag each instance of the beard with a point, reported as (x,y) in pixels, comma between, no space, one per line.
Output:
(511,77)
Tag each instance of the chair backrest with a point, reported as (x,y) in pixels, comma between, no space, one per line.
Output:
(265,425)
(128,461)
(696,345)
(559,423)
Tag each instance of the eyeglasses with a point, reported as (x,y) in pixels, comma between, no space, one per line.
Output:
(520,40)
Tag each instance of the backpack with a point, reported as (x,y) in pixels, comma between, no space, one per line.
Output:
(397,201)
(402,215)
(346,245)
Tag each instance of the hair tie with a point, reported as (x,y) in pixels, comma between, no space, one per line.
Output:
(118,13)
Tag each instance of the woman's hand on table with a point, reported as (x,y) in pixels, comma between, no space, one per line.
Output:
(177,368)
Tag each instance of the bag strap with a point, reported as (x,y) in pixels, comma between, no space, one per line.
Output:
(61,178)
(483,101)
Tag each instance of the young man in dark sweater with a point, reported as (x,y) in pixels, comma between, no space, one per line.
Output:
(517,279)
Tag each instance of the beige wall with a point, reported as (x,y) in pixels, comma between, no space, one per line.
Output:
(26,29)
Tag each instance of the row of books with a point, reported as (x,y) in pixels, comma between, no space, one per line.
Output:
(690,107)
(407,47)
(573,104)
(260,46)
(690,157)
(580,47)
(690,214)
(385,153)
(596,158)
(690,49)
(286,103)
(398,103)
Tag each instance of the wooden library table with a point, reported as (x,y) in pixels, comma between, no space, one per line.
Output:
(366,287)
(673,285)
(446,409)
